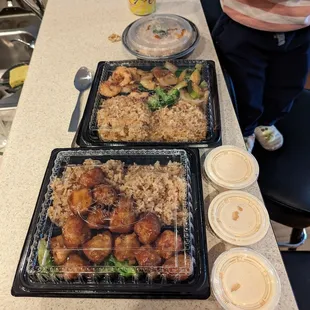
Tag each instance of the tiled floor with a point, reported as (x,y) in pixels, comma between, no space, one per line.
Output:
(283,235)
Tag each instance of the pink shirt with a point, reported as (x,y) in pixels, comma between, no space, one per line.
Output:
(269,15)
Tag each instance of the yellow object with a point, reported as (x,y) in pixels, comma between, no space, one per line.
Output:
(18,76)
(142,7)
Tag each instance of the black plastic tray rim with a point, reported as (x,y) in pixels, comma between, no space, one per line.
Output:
(84,138)
(21,288)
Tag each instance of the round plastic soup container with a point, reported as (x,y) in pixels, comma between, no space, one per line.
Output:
(242,279)
(161,36)
(238,218)
(230,167)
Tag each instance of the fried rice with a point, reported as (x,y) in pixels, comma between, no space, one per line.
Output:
(158,189)
(128,118)
(154,188)
(183,122)
(123,118)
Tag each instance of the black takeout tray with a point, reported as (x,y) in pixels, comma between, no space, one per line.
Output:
(195,287)
(88,133)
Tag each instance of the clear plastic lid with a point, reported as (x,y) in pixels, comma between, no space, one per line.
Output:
(139,102)
(160,35)
(243,279)
(231,167)
(115,219)
(238,218)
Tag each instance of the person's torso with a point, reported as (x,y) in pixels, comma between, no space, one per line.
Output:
(269,15)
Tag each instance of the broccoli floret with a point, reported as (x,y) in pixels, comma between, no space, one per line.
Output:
(161,94)
(105,270)
(161,99)
(174,92)
(154,102)
(112,265)
(172,97)
(123,268)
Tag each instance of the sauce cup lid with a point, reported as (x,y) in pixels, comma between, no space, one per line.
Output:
(231,167)
(238,218)
(243,279)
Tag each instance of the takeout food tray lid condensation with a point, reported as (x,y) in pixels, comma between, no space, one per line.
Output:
(244,279)
(160,35)
(238,218)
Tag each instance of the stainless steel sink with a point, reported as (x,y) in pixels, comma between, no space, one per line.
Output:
(18,32)
(14,48)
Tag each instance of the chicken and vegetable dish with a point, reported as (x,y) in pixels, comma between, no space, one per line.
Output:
(120,219)
(166,104)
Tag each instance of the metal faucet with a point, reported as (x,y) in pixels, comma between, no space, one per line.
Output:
(31,44)
(35,7)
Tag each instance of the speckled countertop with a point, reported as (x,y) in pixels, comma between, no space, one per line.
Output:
(74,33)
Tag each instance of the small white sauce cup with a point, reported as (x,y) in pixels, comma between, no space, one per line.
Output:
(231,168)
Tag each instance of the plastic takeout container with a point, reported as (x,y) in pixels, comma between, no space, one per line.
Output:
(230,167)
(89,136)
(94,235)
(238,218)
(243,279)
(161,36)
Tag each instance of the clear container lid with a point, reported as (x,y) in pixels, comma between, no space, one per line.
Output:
(105,218)
(231,167)
(238,218)
(160,35)
(138,103)
(243,279)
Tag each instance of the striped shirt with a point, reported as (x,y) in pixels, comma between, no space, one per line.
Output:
(269,15)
